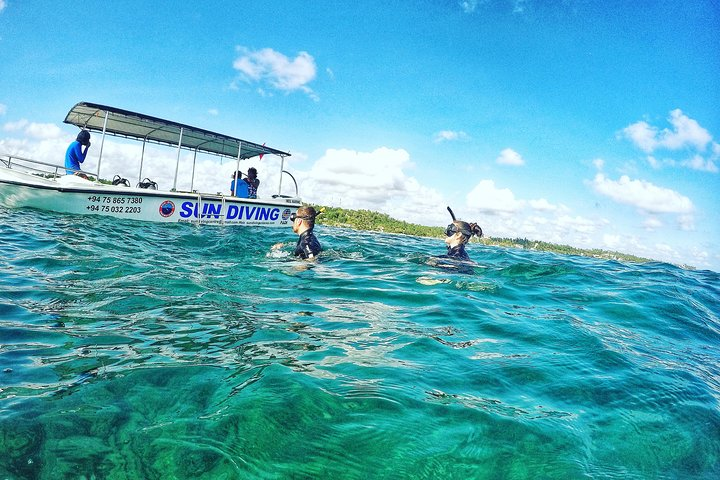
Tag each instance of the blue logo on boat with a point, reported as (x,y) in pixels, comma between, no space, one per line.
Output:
(286,214)
(234,212)
(167,208)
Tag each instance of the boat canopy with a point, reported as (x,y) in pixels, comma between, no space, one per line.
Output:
(123,123)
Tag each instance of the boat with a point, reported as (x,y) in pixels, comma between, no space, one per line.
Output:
(28,183)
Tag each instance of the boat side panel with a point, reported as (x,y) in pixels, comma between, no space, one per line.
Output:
(150,206)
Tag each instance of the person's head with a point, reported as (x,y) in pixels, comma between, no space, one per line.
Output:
(252,173)
(237,174)
(303,219)
(459,233)
(83,137)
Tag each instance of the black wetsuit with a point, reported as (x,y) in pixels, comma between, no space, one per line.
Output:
(458,252)
(456,259)
(307,245)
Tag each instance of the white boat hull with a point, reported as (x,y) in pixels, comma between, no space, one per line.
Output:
(71,194)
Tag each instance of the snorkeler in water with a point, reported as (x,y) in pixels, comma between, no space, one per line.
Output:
(458,233)
(308,245)
(456,260)
(303,222)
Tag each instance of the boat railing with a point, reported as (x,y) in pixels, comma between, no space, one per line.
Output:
(35,167)
(297,192)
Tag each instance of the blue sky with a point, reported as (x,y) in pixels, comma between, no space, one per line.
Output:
(586,123)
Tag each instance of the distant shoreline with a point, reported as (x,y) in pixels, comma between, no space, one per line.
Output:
(380,222)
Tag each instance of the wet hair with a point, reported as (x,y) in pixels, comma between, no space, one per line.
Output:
(467,230)
(464,229)
(252,170)
(308,214)
(83,137)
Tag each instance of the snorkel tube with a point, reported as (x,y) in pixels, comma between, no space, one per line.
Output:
(474,227)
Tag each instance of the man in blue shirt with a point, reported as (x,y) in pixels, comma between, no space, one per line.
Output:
(75,154)
(242,186)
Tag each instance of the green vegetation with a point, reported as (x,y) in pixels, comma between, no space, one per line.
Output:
(562,249)
(379,222)
(373,221)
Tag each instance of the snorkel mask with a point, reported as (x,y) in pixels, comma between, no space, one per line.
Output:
(294,216)
(467,229)
(452,229)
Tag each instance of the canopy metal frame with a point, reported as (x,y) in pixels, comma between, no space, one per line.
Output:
(148,129)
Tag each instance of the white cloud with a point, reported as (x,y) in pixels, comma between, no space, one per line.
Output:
(577,223)
(643,195)
(485,197)
(643,135)
(376,180)
(611,242)
(543,205)
(449,135)
(214,112)
(665,249)
(15,126)
(34,130)
(276,70)
(686,222)
(469,6)
(652,224)
(519,6)
(697,162)
(686,132)
(599,164)
(644,247)
(2,5)
(685,135)
(510,157)
(43,130)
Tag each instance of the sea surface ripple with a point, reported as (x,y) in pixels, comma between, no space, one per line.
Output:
(131,350)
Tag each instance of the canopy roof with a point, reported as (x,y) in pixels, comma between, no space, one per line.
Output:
(137,126)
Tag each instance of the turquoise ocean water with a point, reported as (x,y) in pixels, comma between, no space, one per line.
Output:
(147,351)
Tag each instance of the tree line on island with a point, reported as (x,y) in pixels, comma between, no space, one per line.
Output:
(380,222)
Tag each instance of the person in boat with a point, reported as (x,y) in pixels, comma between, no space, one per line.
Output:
(76,154)
(242,186)
(252,182)
(303,222)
